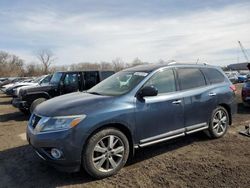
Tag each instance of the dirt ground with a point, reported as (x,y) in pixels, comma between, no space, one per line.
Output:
(192,161)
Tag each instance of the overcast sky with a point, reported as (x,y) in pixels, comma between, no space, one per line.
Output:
(101,30)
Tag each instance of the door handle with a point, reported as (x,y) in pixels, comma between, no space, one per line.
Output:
(212,94)
(176,102)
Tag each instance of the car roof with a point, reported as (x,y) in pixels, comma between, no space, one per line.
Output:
(154,66)
(86,71)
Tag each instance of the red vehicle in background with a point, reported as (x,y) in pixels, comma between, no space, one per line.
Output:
(246,93)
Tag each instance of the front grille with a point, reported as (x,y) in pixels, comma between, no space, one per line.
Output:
(34,121)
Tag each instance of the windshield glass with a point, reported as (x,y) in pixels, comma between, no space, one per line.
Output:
(56,78)
(118,84)
(37,79)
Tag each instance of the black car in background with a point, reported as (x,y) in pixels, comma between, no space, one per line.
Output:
(60,83)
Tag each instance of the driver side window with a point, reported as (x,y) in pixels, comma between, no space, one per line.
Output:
(71,79)
(163,81)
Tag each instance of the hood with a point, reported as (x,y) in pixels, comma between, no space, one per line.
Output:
(25,84)
(73,104)
(38,88)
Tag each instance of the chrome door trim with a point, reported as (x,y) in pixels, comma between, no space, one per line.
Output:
(172,134)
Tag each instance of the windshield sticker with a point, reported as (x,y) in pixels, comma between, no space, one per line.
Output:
(141,74)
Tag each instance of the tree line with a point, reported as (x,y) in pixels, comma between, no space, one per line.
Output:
(12,65)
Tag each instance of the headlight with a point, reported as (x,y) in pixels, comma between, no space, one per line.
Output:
(58,123)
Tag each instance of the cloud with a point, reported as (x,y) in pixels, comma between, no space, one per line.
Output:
(210,34)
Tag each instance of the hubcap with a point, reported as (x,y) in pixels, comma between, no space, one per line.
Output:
(220,122)
(108,153)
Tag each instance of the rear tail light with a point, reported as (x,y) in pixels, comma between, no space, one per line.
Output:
(233,88)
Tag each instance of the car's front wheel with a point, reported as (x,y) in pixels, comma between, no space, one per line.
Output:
(106,153)
(219,122)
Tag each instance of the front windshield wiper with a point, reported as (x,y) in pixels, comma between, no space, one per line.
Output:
(94,93)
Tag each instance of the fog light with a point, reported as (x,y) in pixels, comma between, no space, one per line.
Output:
(56,153)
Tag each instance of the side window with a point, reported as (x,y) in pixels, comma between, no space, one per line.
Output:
(214,76)
(190,78)
(163,81)
(91,79)
(71,79)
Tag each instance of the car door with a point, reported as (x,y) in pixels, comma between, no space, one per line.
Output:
(160,117)
(199,100)
(70,83)
(91,79)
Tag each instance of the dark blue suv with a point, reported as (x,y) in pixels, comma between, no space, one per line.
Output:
(137,107)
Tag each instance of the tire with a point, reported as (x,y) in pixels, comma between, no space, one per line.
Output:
(25,111)
(107,161)
(35,103)
(219,122)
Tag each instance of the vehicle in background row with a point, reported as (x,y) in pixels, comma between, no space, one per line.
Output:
(43,80)
(137,107)
(232,76)
(12,90)
(60,83)
(242,77)
(10,80)
(245,94)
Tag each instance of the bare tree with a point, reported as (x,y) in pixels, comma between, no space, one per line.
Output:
(10,65)
(46,57)
(118,64)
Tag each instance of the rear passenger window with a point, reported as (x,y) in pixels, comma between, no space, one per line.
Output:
(190,78)
(214,76)
(163,81)
(91,79)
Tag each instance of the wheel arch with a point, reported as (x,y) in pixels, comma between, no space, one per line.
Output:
(227,107)
(119,126)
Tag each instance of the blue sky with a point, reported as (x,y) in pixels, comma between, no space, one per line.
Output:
(98,30)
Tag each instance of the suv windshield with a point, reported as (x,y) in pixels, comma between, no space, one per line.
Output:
(118,84)
(56,78)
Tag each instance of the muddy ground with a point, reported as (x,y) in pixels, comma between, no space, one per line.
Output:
(193,161)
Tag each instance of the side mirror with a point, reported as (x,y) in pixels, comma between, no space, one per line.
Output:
(148,91)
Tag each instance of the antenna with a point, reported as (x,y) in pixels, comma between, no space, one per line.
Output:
(243,51)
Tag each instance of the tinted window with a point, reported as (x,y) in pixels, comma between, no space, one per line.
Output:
(71,79)
(91,79)
(163,81)
(190,78)
(56,78)
(214,76)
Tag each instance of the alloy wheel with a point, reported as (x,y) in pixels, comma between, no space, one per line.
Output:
(108,153)
(220,121)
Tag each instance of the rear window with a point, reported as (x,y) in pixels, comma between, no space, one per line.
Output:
(190,78)
(214,76)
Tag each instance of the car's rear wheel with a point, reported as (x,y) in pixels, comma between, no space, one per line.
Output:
(219,122)
(106,153)
(35,103)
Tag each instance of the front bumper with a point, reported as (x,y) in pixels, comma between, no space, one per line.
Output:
(65,141)
(18,103)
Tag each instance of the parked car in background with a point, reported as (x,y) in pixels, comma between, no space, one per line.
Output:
(232,76)
(137,107)
(245,93)
(60,83)
(10,80)
(11,90)
(42,80)
(242,77)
